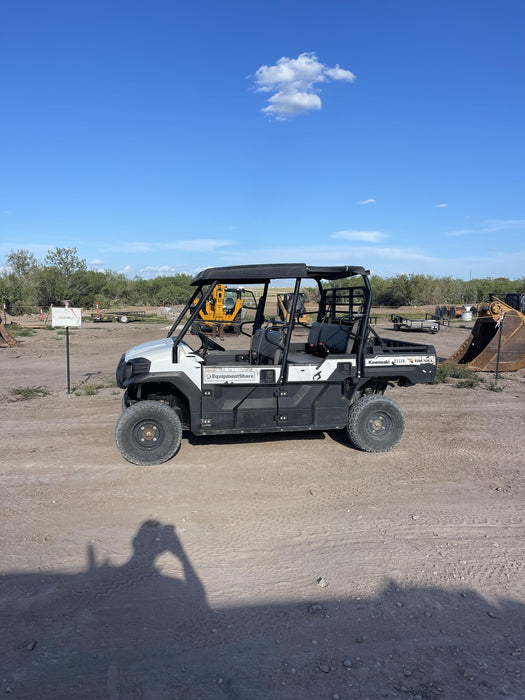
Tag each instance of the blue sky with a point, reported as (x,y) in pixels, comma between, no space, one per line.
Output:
(166,136)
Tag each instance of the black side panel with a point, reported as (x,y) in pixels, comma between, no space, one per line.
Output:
(312,405)
(230,407)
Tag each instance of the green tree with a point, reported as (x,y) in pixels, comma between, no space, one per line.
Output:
(68,271)
(21,262)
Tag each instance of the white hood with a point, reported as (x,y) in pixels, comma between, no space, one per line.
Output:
(151,350)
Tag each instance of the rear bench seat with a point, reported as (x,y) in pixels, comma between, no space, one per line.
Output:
(323,338)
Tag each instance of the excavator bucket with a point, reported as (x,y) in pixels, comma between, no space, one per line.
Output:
(6,339)
(499,329)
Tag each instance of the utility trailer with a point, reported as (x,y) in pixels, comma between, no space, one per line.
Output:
(120,316)
(281,377)
(428,325)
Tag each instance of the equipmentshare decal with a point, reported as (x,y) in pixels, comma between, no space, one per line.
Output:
(230,375)
(403,360)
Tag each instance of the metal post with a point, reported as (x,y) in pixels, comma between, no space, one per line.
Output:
(67,361)
(499,348)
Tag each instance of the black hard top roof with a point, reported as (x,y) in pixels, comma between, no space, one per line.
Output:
(258,274)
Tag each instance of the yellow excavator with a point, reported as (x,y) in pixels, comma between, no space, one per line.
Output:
(497,340)
(225,309)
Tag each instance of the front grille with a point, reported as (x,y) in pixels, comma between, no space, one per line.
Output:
(140,366)
(134,368)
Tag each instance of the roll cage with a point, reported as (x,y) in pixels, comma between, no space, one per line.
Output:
(349,307)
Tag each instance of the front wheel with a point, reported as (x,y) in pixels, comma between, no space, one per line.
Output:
(375,423)
(148,432)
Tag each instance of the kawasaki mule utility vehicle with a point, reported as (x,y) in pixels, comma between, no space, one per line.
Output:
(276,376)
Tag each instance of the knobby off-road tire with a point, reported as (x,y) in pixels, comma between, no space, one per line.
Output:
(148,432)
(375,423)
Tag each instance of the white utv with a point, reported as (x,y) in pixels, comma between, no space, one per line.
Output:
(281,376)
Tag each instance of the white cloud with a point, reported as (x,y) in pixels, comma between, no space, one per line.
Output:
(198,245)
(96,262)
(288,104)
(368,236)
(367,201)
(389,261)
(38,250)
(495,225)
(492,226)
(463,232)
(293,82)
(441,206)
(160,270)
(192,245)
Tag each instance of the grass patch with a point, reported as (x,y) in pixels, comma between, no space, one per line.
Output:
(93,389)
(468,379)
(153,318)
(24,393)
(470,383)
(451,370)
(20,331)
(492,386)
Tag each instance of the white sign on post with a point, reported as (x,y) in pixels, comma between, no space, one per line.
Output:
(66,317)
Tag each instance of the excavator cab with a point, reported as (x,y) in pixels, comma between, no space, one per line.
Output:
(225,309)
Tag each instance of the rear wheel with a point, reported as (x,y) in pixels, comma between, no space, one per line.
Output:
(375,423)
(148,432)
(123,319)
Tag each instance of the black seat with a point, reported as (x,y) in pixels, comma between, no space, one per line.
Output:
(325,338)
(262,350)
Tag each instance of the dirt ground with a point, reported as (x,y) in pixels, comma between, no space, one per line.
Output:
(265,567)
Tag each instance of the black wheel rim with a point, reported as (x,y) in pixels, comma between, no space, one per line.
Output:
(148,435)
(379,425)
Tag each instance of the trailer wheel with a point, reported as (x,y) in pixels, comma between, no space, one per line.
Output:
(148,432)
(123,319)
(375,423)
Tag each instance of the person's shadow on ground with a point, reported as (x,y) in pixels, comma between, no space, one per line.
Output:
(132,632)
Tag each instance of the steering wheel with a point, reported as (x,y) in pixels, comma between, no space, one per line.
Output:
(208,343)
(241,329)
